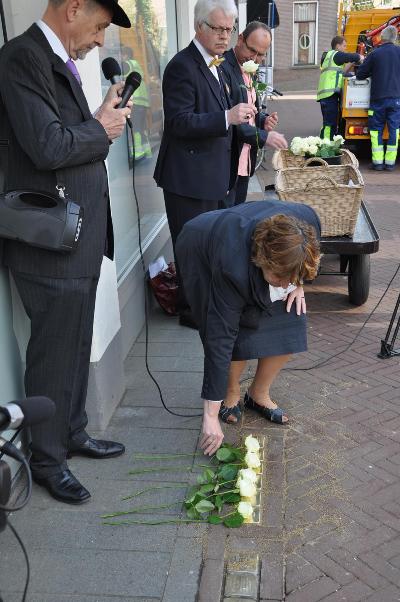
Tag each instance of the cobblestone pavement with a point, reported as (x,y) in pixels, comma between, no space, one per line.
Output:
(331,522)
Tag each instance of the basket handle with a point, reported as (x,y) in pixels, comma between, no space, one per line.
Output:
(324,177)
(312,159)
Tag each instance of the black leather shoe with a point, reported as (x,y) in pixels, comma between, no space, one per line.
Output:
(64,487)
(96,448)
(186,319)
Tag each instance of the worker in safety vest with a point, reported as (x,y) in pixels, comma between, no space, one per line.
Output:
(383,66)
(141,102)
(331,83)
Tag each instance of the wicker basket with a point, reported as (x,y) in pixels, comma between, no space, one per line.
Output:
(337,201)
(282,159)
(298,177)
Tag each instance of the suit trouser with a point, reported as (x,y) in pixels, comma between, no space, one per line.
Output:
(241,187)
(57,361)
(180,210)
(330,115)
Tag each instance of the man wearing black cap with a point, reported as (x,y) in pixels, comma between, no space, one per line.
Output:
(55,144)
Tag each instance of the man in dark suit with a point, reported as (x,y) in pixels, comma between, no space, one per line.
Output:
(55,144)
(252,45)
(197,162)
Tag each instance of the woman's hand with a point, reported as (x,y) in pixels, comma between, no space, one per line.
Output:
(211,432)
(298,296)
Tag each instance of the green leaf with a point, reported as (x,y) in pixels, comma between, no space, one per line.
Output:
(233,521)
(207,488)
(218,502)
(213,519)
(193,514)
(231,498)
(228,472)
(261,87)
(225,455)
(207,476)
(204,506)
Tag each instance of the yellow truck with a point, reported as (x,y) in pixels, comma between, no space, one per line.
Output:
(361,28)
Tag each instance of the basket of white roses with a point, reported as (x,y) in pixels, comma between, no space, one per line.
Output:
(304,149)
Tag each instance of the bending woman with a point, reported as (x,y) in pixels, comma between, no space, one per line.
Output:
(242,270)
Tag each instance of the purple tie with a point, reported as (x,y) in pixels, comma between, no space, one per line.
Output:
(72,67)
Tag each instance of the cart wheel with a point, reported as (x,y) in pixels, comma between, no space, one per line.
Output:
(358,280)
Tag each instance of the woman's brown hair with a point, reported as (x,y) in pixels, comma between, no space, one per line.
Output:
(287,247)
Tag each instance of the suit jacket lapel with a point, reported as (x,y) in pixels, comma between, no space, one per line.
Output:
(59,66)
(212,81)
(231,58)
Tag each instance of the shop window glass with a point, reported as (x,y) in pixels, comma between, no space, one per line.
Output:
(146,48)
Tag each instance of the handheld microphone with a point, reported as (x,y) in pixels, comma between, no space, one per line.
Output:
(111,69)
(26,412)
(132,83)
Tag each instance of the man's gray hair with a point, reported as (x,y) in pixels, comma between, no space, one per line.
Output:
(389,34)
(203,9)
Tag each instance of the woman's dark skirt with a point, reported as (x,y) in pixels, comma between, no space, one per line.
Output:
(278,334)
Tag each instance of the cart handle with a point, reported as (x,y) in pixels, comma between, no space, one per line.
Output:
(328,178)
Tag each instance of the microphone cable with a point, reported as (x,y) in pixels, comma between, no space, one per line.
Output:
(146,307)
(28,568)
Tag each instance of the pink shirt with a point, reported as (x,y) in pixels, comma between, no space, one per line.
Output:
(244,159)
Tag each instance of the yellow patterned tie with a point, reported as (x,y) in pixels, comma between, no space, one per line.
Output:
(216,61)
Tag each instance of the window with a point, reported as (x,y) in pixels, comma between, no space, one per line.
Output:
(145,48)
(304,32)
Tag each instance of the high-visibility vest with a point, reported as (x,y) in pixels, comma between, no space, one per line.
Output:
(331,78)
(141,95)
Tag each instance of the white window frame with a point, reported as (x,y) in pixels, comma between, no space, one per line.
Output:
(316,32)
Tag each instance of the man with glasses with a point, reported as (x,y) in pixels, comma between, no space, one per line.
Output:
(198,158)
(253,44)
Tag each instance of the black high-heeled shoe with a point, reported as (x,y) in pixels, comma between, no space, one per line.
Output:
(225,413)
(274,415)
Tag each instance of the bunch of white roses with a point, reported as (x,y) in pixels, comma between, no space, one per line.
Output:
(248,478)
(315,146)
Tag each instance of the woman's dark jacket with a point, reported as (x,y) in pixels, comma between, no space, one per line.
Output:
(224,288)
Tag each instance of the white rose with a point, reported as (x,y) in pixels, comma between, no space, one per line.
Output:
(252,460)
(248,475)
(338,139)
(245,509)
(250,67)
(252,443)
(247,488)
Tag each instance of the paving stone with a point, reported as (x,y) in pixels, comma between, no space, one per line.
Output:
(184,571)
(239,563)
(212,579)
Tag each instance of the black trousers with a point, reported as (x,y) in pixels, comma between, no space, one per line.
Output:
(57,361)
(241,187)
(181,209)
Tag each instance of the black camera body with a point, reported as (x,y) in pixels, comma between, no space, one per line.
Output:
(40,219)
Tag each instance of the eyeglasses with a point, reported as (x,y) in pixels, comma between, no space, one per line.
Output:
(254,51)
(221,30)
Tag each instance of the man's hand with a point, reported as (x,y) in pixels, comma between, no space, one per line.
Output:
(276,140)
(241,113)
(211,433)
(298,296)
(271,122)
(112,119)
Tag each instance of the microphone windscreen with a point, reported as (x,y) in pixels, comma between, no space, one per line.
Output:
(36,409)
(133,80)
(110,68)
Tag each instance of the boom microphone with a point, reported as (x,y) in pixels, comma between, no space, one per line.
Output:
(111,69)
(132,83)
(26,412)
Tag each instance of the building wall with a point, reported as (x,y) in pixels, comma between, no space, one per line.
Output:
(286,74)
